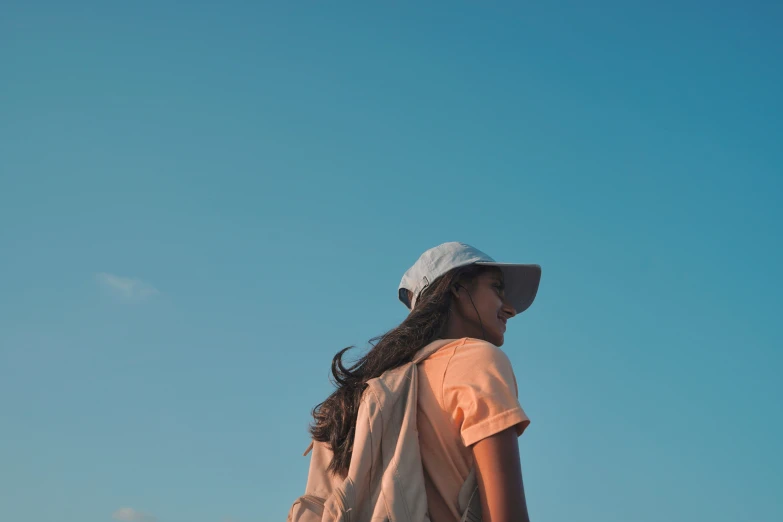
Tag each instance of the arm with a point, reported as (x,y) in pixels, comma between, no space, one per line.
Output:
(499,474)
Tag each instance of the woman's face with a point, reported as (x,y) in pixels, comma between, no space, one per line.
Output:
(487,292)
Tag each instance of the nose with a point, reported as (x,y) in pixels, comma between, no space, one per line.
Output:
(509,310)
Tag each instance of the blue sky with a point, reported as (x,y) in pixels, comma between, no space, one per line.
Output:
(200,205)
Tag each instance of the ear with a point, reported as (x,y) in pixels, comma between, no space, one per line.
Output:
(455,290)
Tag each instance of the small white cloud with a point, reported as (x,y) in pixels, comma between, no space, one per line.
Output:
(127,514)
(126,287)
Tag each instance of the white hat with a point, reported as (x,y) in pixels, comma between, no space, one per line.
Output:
(521,281)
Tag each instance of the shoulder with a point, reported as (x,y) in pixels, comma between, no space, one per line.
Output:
(479,379)
(475,360)
(480,352)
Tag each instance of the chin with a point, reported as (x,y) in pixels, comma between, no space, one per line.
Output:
(496,339)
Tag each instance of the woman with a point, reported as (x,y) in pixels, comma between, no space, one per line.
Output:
(468,413)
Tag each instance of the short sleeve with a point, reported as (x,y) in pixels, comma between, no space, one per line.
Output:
(480,392)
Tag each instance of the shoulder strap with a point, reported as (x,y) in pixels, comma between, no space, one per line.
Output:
(431,348)
(420,356)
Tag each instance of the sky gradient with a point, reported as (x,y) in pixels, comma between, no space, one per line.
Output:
(200,205)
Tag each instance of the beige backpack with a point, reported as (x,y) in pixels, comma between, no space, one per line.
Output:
(385,480)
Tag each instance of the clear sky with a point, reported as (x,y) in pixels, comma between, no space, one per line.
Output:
(201,203)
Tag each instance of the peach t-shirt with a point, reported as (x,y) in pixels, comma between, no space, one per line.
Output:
(467,392)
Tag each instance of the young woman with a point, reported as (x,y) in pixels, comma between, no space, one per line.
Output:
(468,414)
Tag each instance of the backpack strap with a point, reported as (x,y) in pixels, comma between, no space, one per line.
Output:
(422,354)
(431,348)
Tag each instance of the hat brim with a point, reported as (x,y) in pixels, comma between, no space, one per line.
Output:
(521,282)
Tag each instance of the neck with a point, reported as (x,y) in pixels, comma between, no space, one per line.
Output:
(457,328)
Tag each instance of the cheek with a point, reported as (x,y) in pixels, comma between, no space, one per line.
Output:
(491,303)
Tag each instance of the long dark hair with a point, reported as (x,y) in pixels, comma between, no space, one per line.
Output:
(335,418)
